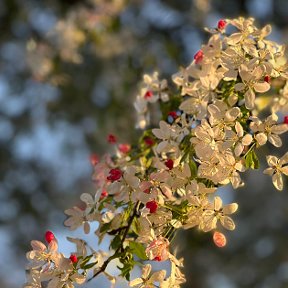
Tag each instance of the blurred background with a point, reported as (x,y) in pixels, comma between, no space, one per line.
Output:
(69,71)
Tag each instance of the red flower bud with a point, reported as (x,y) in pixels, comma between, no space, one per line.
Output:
(221,24)
(147,191)
(73,258)
(149,141)
(267,78)
(104,194)
(152,206)
(124,148)
(219,239)
(198,57)
(286,120)
(148,94)
(114,175)
(94,159)
(173,114)
(169,164)
(49,236)
(111,139)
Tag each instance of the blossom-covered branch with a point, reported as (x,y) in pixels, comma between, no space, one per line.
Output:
(208,134)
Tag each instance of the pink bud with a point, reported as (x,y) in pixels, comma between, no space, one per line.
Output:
(267,78)
(111,139)
(198,57)
(147,191)
(149,141)
(73,258)
(219,239)
(104,194)
(114,175)
(169,164)
(124,148)
(148,94)
(49,236)
(221,24)
(152,206)
(94,159)
(173,114)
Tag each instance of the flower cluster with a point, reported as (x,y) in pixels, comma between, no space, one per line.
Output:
(64,41)
(207,137)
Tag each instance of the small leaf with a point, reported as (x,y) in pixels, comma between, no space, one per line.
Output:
(90,265)
(85,261)
(193,168)
(135,226)
(105,227)
(138,250)
(115,242)
(251,160)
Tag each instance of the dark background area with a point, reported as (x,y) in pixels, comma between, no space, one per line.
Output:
(69,72)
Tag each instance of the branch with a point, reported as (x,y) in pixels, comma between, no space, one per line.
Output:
(120,247)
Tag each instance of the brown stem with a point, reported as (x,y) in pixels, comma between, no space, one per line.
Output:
(120,247)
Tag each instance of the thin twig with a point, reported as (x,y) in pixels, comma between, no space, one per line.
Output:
(252,146)
(120,247)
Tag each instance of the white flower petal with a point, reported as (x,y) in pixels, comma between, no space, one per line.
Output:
(277,181)
(284,170)
(158,276)
(238,149)
(227,223)
(269,171)
(86,228)
(135,282)
(279,129)
(239,87)
(284,159)
(275,140)
(37,245)
(146,270)
(230,208)
(239,129)
(261,138)
(249,99)
(87,198)
(217,203)
(261,87)
(247,139)
(272,160)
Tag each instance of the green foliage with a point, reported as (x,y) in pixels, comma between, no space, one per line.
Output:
(116,242)
(84,264)
(89,265)
(251,160)
(126,258)
(138,250)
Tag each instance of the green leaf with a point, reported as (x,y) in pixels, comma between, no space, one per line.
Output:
(115,242)
(135,226)
(193,168)
(105,227)
(138,250)
(90,265)
(127,259)
(251,160)
(126,214)
(85,261)
(126,269)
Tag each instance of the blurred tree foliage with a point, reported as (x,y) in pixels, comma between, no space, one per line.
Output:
(68,77)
